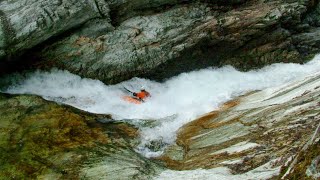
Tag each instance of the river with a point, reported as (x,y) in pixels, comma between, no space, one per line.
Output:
(174,102)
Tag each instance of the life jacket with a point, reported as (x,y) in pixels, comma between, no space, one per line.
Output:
(142,95)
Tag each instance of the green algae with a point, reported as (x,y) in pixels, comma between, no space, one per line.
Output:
(44,140)
(34,131)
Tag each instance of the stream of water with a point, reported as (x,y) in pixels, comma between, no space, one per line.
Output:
(174,102)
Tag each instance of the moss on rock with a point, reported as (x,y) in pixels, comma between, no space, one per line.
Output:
(40,139)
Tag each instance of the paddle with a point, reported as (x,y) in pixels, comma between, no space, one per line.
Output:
(128,90)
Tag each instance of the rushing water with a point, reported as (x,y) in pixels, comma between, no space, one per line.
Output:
(174,102)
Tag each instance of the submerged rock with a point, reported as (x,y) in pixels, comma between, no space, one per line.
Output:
(279,125)
(44,140)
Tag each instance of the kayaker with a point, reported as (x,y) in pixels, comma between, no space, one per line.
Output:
(142,95)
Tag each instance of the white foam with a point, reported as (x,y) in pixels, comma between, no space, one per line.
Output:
(188,95)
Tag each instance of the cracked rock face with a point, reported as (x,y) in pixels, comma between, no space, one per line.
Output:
(135,47)
(183,38)
(26,23)
(116,40)
(280,125)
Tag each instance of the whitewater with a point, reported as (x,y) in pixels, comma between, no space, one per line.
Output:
(173,103)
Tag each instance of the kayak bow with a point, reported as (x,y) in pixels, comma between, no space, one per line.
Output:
(131,100)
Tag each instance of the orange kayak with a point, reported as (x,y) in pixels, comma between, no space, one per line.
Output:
(131,100)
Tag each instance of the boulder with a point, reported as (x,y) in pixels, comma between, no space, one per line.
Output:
(182,38)
(44,140)
(117,40)
(280,125)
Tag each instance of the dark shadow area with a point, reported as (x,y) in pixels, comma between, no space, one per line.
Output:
(201,56)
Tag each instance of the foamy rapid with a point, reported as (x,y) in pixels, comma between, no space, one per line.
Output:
(173,103)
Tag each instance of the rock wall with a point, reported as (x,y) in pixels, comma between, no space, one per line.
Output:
(184,37)
(25,23)
(116,40)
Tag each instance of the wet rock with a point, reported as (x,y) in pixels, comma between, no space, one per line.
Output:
(314,169)
(156,145)
(175,152)
(41,139)
(121,164)
(280,125)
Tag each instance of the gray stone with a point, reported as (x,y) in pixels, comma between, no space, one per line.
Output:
(26,23)
(117,40)
(180,38)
